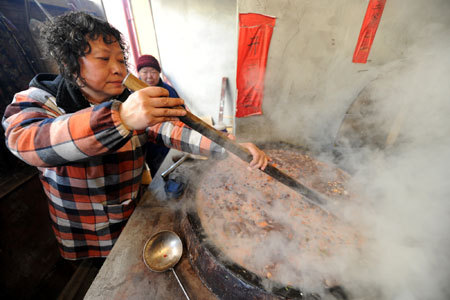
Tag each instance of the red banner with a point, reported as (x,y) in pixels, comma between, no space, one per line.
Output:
(255,32)
(368,30)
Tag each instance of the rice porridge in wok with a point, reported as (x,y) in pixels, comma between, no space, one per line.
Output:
(268,228)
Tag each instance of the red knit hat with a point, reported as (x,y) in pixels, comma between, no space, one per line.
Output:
(148,61)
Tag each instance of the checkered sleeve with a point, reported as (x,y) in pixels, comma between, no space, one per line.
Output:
(181,137)
(42,135)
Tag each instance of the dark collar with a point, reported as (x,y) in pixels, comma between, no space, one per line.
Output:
(68,96)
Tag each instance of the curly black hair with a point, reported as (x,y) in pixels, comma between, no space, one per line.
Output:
(66,39)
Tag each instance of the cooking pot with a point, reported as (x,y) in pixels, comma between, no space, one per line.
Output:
(226,278)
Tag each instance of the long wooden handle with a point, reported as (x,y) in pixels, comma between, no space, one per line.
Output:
(191,120)
(219,137)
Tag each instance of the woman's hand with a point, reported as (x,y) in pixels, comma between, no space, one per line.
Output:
(260,159)
(148,107)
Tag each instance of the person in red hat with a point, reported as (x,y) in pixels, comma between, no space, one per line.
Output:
(149,71)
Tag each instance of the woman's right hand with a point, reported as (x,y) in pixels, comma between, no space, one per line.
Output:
(148,107)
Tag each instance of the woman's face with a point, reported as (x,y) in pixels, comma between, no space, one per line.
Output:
(103,69)
(149,75)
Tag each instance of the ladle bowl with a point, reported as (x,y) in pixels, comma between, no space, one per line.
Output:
(162,252)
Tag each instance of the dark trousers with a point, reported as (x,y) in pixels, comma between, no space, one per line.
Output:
(155,156)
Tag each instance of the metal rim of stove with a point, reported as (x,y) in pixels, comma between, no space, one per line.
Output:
(250,277)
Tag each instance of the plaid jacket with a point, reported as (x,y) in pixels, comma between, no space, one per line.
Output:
(90,165)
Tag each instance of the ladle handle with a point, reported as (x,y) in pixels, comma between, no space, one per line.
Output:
(181,285)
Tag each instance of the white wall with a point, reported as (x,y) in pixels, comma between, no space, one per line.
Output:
(145,31)
(197,43)
(311,80)
(115,15)
(310,77)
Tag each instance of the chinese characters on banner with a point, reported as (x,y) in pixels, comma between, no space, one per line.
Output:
(255,32)
(368,30)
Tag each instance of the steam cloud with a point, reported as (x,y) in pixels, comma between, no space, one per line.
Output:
(406,206)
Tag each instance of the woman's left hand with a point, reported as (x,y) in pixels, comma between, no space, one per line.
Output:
(260,159)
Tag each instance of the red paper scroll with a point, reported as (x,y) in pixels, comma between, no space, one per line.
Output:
(368,30)
(255,32)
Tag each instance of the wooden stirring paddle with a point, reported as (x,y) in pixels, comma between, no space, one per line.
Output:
(221,138)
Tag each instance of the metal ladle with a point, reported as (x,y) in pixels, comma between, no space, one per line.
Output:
(162,252)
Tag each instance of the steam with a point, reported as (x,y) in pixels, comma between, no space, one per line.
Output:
(404,205)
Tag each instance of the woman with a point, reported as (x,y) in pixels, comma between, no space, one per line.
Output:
(86,134)
(149,71)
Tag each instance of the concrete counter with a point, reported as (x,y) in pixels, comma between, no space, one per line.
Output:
(124,274)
